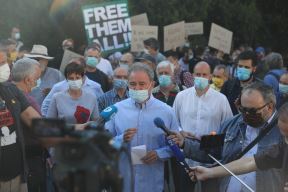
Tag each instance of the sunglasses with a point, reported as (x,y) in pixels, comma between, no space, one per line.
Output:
(251,110)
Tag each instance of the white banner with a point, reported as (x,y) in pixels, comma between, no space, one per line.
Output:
(174,35)
(195,28)
(141,19)
(141,33)
(220,38)
(67,57)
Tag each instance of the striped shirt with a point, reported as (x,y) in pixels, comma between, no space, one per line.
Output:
(109,98)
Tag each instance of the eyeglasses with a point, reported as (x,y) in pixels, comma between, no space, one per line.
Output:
(251,110)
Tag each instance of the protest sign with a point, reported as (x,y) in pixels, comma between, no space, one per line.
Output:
(141,19)
(195,28)
(220,38)
(108,24)
(67,57)
(174,35)
(141,33)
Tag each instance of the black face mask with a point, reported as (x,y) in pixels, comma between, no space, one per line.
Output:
(254,120)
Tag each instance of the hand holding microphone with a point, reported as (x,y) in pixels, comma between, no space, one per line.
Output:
(104,116)
(175,149)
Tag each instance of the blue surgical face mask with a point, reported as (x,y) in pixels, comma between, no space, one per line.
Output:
(120,83)
(165,80)
(283,88)
(92,61)
(139,96)
(124,66)
(201,83)
(243,74)
(38,82)
(17,36)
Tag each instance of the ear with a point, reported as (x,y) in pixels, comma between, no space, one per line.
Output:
(254,69)
(152,84)
(271,107)
(27,80)
(210,77)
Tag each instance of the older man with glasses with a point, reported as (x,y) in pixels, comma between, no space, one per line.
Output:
(257,110)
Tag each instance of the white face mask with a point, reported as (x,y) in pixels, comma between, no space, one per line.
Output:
(77,84)
(17,36)
(4,72)
(139,95)
(146,51)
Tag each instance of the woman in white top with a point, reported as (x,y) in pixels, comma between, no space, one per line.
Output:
(75,105)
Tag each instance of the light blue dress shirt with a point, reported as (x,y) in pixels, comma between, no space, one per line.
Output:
(148,177)
(249,178)
(50,77)
(89,85)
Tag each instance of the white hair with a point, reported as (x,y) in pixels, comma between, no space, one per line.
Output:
(165,64)
(23,68)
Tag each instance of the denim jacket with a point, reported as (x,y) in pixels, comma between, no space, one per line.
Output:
(235,129)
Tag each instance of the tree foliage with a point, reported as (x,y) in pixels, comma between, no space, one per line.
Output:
(252,21)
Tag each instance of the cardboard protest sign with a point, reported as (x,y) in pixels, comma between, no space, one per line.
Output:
(67,57)
(141,19)
(195,28)
(141,33)
(108,24)
(174,35)
(220,38)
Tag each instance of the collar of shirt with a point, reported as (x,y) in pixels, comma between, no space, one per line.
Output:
(146,104)
(208,92)
(89,82)
(115,94)
(176,89)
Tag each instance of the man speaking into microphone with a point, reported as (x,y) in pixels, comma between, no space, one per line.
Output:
(134,125)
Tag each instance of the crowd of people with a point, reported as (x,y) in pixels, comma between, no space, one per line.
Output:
(195,91)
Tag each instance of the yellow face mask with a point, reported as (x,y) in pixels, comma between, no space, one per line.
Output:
(218,82)
(12,56)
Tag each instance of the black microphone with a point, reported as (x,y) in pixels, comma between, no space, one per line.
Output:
(175,149)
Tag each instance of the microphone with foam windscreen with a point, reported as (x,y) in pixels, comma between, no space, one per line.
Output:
(104,116)
(175,149)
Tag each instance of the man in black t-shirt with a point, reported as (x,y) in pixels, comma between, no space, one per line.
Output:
(91,70)
(14,107)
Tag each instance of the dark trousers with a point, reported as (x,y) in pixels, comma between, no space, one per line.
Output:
(37,174)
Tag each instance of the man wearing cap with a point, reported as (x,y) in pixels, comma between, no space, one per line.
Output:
(151,62)
(152,48)
(49,76)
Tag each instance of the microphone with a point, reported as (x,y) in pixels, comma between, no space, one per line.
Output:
(104,116)
(175,149)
